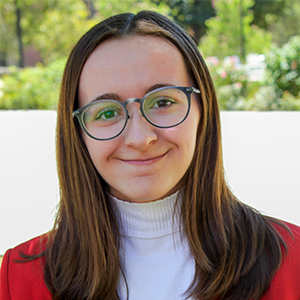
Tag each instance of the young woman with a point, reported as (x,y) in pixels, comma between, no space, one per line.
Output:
(145,211)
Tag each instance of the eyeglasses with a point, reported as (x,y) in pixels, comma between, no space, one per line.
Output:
(163,108)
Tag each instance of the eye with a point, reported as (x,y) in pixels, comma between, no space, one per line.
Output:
(106,114)
(162,102)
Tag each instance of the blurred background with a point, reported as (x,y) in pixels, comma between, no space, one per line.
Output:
(252,48)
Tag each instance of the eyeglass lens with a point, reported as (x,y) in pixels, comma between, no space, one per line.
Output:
(105,119)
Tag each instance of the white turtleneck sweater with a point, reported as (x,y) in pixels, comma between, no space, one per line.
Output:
(157,262)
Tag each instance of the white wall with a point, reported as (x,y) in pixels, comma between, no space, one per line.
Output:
(261,157)
(262,160)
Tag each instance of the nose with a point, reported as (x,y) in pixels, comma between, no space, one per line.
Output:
(139,133)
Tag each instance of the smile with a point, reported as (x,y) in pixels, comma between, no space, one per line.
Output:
(147,161)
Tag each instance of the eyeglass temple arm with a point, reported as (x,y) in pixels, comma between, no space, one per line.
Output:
(192,89)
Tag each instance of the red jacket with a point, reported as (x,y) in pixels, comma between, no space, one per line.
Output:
(22,281)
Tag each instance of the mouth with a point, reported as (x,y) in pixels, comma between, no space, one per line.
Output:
(144,161)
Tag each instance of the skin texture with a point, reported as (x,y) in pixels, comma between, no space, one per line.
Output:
(144,163)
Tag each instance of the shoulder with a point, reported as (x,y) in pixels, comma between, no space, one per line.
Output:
(291,257)
(21,278)
(31,247)
(285,284)
(295,230)
(291,238)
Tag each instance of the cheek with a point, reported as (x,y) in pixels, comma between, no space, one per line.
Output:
(191,124)
(183,137)
(99,151)
(189,134)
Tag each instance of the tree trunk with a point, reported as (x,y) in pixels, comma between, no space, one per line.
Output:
(19,34)
(91,8)
(201,11)
(242,33)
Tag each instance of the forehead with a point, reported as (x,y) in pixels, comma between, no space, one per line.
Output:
(131,50)
(130,62)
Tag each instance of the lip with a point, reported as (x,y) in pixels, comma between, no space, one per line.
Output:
(144,161)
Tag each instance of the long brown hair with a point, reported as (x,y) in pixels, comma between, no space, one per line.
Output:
(236,249)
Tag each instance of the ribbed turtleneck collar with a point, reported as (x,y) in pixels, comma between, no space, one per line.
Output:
(148,220)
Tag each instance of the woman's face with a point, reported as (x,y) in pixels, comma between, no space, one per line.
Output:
(144,163)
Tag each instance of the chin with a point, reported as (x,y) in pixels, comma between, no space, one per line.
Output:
(144,197)
(137,197)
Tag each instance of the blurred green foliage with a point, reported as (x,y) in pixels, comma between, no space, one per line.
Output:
(230,32)
(278,90)
(226,28)
(286,23)
(54,26)
(230,81)
(50,26)
(32,88)
(107,8)
(283,65)
(192,14)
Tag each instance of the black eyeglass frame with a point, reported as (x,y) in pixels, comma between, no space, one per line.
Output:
(78,113)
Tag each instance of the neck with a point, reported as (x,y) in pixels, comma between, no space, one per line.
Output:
(151,219)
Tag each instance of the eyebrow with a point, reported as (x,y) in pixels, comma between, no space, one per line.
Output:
(157,86)
(114,96)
